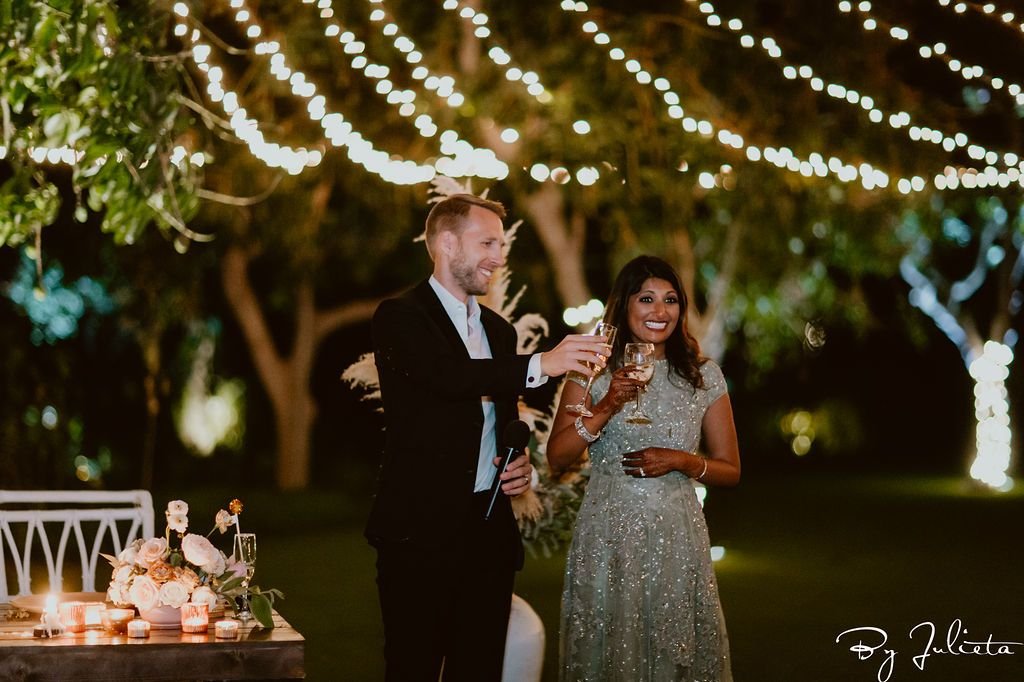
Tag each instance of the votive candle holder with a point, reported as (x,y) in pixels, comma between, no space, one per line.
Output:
(115,621)
(226,629)
(72,615)
(195,618)
(138,628)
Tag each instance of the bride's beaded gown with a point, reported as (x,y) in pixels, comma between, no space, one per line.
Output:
(640,601)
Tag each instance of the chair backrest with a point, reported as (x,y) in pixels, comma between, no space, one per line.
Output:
(99,521)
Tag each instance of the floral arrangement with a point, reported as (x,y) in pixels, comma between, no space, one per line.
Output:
(181,567)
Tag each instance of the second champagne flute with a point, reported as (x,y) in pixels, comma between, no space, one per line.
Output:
(580,408)
(638,362)
(245,552)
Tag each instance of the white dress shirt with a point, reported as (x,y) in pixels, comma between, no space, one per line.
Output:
(466,318)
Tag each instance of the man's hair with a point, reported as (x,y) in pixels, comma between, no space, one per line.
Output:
(449,213)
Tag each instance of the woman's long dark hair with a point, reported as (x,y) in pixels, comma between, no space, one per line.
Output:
(681,349)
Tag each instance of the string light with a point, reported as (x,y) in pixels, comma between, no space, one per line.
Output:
(497,54)
(246,129)
(784,158)
(463,159)
(939,51)
(804,72)
(988,10)
(443,85)
(339,131)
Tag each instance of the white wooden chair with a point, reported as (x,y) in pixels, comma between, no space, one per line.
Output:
(99,521)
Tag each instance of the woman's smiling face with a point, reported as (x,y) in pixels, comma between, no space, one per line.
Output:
(654,313)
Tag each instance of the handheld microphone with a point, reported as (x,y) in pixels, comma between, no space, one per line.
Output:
(515,437)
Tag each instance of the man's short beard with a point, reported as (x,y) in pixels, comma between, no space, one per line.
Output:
(463,274)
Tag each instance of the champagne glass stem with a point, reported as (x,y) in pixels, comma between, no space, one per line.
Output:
(586,391)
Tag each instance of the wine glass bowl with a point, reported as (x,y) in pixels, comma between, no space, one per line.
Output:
(245,552)
(580,408)
(638,364)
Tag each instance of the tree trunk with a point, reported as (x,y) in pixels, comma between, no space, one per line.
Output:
(563,242)
(993,436)
(286,379)
(150,344)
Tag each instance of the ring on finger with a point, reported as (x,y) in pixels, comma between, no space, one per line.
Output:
(642,474)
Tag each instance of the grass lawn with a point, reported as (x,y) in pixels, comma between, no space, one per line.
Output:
(806,558)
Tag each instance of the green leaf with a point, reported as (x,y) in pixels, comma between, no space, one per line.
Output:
(261,609)
(232,584)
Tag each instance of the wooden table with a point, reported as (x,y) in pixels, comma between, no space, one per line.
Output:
(95,655)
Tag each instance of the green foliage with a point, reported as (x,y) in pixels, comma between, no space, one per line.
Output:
(91,77)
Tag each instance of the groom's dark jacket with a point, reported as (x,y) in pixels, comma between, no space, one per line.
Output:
(431,391)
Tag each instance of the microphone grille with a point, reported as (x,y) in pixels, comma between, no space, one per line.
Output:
(516,434)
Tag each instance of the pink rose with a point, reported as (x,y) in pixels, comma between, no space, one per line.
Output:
(144,593)
(237,568)
(152,550)
(198,550)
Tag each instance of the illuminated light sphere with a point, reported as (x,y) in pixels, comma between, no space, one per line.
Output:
(581,127)
(539,172)
(587,175)
(560,175)
(509,135)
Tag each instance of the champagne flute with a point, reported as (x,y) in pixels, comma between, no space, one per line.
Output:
(580,408)
(638,362)
(245,552)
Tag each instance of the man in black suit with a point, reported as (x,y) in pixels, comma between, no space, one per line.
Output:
(450,378)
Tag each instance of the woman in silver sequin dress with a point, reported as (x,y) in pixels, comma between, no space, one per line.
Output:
(640,600)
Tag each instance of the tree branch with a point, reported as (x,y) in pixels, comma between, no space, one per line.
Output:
(343,315)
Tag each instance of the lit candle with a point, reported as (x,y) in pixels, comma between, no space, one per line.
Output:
(49,623)
(195,617)
(115,621)
(94,613)
(72,615)
(138,628)
(226,629)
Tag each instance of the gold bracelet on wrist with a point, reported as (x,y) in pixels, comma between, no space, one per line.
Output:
(705,470)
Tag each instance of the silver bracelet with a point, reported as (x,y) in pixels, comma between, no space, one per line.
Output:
(705,468)
(582,430)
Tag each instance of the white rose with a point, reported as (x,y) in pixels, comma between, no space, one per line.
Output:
(198,550)
(152,550)
(177,522)
(116,594)
(173,593)
(128,554)
(144,593)
(177,507)
(223,521)
(205,595)
(123,575)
